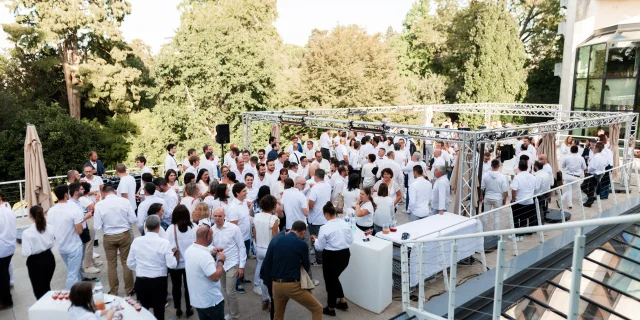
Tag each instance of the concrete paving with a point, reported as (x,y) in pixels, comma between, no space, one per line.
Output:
(250,303)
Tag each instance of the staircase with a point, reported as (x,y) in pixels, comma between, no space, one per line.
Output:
(404,316)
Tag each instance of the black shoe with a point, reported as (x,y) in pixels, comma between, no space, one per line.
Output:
(587,204)
(95,243)
(245,281)
(190,312)
(178,313)
(328,312)
(342,306)
(316,264)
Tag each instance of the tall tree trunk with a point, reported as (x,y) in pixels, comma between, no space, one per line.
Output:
(70,69)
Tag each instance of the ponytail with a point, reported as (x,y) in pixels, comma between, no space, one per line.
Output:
(367,191)
(38,216)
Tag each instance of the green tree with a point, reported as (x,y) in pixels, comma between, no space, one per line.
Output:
(348,68)
(538,25)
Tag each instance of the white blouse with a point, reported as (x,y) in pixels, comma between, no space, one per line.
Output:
(80,313)
(350,199)
(263,224)
(367,220)
(34,242)
(384,210)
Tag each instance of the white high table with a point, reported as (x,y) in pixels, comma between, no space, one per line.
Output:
(435,253)
(49,309)
(367,280)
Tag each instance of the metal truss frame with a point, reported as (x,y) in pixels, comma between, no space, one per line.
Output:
(469,141)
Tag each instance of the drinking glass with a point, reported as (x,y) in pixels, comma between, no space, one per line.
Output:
(385,228)
(393,226)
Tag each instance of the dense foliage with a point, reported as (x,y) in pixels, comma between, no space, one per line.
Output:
(69,58)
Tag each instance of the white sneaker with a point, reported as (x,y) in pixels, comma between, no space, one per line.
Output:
(96,256)
(257,290)
(316,282)
(521,238)
(510,236)
(227,317)
(92,270)
(169,296)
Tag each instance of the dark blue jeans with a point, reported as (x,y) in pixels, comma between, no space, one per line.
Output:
(212,313)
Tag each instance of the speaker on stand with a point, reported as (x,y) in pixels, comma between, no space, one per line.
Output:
(222,136)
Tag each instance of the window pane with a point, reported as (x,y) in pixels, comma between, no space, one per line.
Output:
(580,94)
(623,59)
(619,94)
(628,35)
(596,64)
(583,62)
(527,309)
(595,93)
(634,228)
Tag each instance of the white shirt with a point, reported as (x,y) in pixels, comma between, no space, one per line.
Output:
(494,184)
(324,165)
(80,313)
(171,202)
(525,185)
(408,169)
(263,224)
(294,201)
(150,256)
(199,266)
(229,238)
(231,161)
(354,159)
(309,153)
(266,181)
(294,156)
(608,154)
(144,208)
(597,164)
(8,231)
(366,150)
(185,239)
(438,161)
(350,199)
(114,215)
(547,168)
(211,167)
(573,165)
(186,163)
(369,179)
(320,194)
(384,210)
(95,183)
(419,197)
(337,183)
(334,235)
(247,169)
(128,185)
(341,151)
(543,182)
(239,211)
(170,162)
(34,242)
(398,175)
(190,203)
(402,156)
(367,220)
(325,140)
(440,194)
(63,217)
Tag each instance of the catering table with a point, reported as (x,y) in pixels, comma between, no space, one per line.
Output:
(367,281)
(49,309)
(432,227)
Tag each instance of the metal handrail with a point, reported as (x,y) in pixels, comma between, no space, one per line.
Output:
(60,177)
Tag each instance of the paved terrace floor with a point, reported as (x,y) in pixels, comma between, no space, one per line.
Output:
(250,303)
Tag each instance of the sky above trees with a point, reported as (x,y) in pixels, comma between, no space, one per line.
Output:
(155,21)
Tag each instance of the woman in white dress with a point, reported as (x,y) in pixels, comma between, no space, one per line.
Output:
(172,180)
(265,227)
(565,148)
(82,306)
(203,180)
(383,213)
(368,177)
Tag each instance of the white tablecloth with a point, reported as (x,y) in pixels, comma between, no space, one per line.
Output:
(48,309)
(367,281)
(448,224)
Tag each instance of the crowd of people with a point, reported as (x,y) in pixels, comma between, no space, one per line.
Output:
(289,206)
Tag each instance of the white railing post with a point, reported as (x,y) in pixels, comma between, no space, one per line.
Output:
(497,291)
(483,257)
(404,276)
(626,185)
(539,218)
(635,168)
(584,215)
(453,281)
(513,227)
(613,189)
(562,211)
(420,276)
(599,203)
(444,267)
(576,275)
(21,198)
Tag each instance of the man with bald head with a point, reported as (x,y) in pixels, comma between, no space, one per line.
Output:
(546,166)
(204,273)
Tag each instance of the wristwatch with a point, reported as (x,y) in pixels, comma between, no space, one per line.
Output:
(221,261)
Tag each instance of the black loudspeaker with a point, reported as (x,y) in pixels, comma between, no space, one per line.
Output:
(222,134)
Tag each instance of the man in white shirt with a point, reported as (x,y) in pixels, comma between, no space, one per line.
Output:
(114,215)
(545,165)
(282,157)
(441,191)
(341,151)
(228,237)
(66,220)
(293,147)
(95,182)
(77,196)
(309,150)
(366,149)
(420,195)
(170,161)
(293,170)
(354,159)
(338,181)
(170,197)
(416,160)
(269,147)
(149,199)
(486,163)
(295,156)
(319,195)
(402,154)
(303,168)
(186,164)
(543,185)
(204,274)
(127,185)
(597,166)
(141,163)
(494,187)
(261,178)
(241,169)
(526,156)
(523,188)
(573,168)
(150,256)
(230,157)
(322,162)
(325,144)
(7,248)
(438,159)
(208,162)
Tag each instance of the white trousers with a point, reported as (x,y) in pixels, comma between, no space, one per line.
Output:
(567,192)
(261,253)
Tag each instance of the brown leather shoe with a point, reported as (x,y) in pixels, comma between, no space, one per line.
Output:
(265,305)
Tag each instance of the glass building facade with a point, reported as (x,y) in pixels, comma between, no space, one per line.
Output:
(607,71)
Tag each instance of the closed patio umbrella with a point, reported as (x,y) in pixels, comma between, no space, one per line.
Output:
(37,188)
(614,137)
(275,130)
(548,148)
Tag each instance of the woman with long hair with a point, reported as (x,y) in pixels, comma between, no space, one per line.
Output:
(82,307)
(351,193)
(203,181)
(334,240)
(284,173)
(181,234)
(211,198)
(368,177)
(364,209)
(265,227)
(393,187)
(37,241)
(383,212)
(565,148)
(171,176)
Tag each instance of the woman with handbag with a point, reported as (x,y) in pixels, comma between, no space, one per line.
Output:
(181,234)
(334,240)
(265,227)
